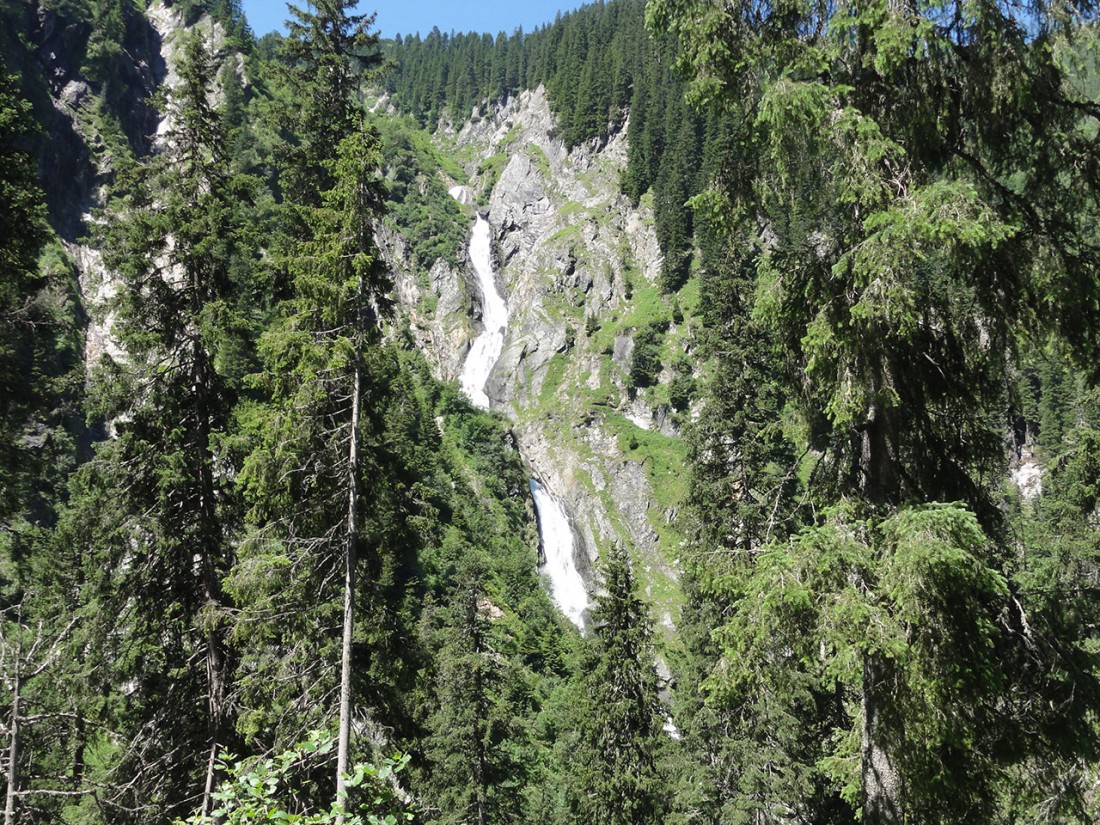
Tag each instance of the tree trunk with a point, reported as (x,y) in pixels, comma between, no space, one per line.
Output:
(881,479)
(881,782)
(344,734)
(13,747)
(78,751)
(481,772)
(211,549)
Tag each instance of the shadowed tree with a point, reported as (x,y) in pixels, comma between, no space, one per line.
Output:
(920,184)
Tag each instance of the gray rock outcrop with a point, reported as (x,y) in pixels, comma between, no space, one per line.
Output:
(570,251)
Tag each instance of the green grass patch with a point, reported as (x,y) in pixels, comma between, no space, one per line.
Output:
(428,304)
(646,202)
(663,457)
(540,160)
(510,138)
(689,297)
(555,373)
(647,306)
(570,231)
(491,168)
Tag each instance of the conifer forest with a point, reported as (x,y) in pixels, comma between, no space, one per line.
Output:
(683,412)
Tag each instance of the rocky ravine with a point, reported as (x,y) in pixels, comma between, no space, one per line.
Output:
(577,264)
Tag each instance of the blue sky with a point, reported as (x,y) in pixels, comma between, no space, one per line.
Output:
(411,16)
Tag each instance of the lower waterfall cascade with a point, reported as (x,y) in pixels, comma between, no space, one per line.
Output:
(567,587)
(566,584)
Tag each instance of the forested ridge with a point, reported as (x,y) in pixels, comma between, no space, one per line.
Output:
(258,564)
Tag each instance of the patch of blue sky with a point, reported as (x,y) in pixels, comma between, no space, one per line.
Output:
(409,17)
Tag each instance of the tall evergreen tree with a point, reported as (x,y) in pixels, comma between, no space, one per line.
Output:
(615,773)
(918,214)
(475,732)
(311,446)
(24,232)
(327,56)
(156,575)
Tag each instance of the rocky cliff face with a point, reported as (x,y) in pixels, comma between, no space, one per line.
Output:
(577,264)
(82,147)
(73,156)
(439,305)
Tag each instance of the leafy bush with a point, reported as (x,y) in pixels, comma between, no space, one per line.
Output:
(261,789)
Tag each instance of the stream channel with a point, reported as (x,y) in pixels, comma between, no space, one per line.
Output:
(555,532)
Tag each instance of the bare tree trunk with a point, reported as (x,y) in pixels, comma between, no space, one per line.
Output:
(78,753)
(882,792)
(24,670)
(212,542)
(344,733)
(481,772)
(881,481)
(208,789)
(13,746)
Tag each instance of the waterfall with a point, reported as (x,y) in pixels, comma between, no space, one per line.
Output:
(487,346)
(566,584)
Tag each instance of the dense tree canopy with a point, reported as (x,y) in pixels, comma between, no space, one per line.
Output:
(253,518)
(918,186)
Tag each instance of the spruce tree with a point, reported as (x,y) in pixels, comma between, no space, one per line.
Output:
(917,213)
(156,574)
(615,773)
(307,474)
(475,740)
(326,57)
(23,231)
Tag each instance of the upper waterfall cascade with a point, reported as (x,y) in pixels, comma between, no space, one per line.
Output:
(487,346)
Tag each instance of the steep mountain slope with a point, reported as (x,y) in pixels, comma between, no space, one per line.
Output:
(578,265)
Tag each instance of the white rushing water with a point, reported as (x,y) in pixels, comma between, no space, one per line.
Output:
(1028,477)
(487,346)
(566,584)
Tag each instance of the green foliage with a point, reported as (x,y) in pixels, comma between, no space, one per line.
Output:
(614,771)
(325,59)
(259,790)
(416,197)
(327,387)
(176,245)
(645,363)
(103,60)
(874,215)
(901,216)
(25,303)
(226,12)
(477,738)
(919,595)
(680,391)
